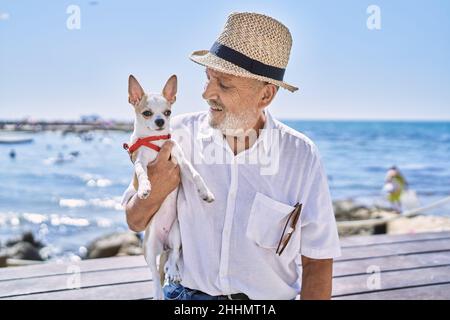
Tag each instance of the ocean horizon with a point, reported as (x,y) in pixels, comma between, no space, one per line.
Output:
(283,119)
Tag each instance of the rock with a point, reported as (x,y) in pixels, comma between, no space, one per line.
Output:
(24,247)
(383,214)
(3,260)
(344,210)
(357,231)
(361,214)
(24,251)
(126,243)
(348,210)
(27,237)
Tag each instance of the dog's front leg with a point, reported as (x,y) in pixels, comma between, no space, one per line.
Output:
(192,174)
(140,167)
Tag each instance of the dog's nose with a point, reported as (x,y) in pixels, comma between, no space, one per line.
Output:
(159,122)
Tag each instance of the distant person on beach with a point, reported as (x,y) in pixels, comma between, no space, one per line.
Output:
(266,216)
(394,185)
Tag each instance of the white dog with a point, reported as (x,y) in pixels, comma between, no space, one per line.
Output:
(151,129)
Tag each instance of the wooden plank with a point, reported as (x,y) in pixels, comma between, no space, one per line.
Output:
(109,279)
(391,279)
(52,268)
(427,292)
(391,263)
(347,268)
(96,278)
(403,260)
(353,241)
(391,250)
(63,282)
(118,263)
(123,291)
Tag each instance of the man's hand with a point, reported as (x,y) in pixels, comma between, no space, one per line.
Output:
(317,277)
(164,177)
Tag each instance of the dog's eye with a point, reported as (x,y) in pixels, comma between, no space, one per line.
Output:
(147,113)
(167,113)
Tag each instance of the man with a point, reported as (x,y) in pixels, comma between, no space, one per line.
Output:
(258,169)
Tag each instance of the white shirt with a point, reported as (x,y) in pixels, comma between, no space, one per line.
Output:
(229,245)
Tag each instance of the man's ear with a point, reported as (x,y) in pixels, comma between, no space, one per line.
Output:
(135,91)
(268,93)
(170,89)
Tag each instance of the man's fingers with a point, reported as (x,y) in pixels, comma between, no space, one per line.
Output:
(166,149)
(176,172)
(176,168)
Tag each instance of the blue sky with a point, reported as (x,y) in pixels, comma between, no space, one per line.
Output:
(343,69)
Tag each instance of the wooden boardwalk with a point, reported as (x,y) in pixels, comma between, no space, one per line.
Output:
(406,267)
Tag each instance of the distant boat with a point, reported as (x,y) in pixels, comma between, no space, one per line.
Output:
(15,140)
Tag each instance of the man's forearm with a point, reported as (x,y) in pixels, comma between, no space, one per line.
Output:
(140,211)
(316,279)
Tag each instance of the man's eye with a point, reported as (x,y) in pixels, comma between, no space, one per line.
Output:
(223,86)
(147,113)
(167,113)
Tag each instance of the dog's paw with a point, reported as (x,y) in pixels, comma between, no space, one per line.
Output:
(207,195)
(144,192)
(172,273)
(202,189)
(174,277)
(144,189)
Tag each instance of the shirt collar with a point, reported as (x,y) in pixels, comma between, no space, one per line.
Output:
(206,132)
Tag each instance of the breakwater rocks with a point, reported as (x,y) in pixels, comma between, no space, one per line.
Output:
(115,244)
(24,247)
(348,210)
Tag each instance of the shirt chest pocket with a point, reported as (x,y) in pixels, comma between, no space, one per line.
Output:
(266,222)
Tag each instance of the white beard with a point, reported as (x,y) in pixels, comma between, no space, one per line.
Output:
(235,123)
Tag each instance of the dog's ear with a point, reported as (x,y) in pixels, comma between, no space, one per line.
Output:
(170,89)
(135,91)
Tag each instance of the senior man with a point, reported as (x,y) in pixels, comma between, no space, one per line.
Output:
(272,204)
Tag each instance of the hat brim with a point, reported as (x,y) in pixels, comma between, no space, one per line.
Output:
(208,59)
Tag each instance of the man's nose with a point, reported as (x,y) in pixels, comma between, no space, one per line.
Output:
(208,92)
(159,122)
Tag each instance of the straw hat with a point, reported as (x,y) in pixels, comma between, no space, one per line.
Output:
(251,45)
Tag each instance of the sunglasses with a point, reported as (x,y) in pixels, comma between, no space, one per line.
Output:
(285,237)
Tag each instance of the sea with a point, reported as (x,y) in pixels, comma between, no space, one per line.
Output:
(66,188)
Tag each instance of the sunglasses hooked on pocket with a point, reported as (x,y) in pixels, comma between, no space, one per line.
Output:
(287,232)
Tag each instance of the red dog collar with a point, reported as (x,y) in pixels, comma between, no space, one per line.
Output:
(146,143)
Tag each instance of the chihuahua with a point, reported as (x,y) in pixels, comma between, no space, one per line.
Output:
(151,128)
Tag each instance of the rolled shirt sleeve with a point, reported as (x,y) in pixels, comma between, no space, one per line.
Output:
(319,236)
